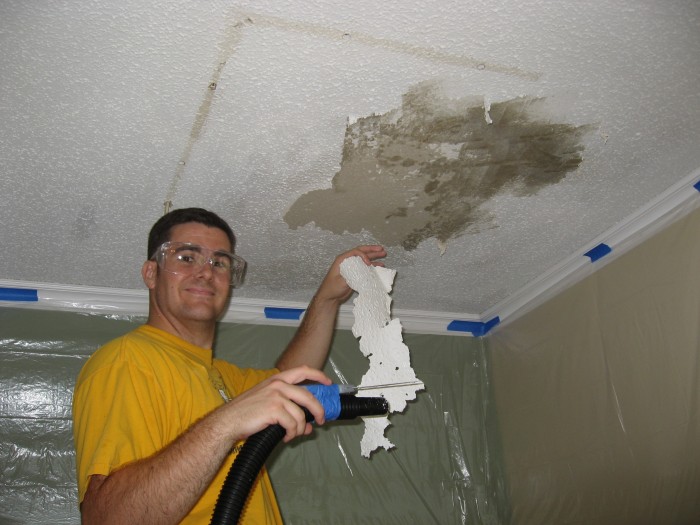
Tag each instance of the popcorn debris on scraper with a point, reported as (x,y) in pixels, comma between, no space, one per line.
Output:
(381,342)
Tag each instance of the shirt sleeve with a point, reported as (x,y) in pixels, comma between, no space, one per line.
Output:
(118,418)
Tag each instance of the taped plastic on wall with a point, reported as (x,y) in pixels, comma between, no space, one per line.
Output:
(40,356)
(446,466)
(598,393)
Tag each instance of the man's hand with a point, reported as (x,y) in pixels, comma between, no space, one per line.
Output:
(278,400)
(333,287)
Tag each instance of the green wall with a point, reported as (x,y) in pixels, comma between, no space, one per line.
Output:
(445,468)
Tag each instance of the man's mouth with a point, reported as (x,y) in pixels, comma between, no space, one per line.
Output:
(206,292)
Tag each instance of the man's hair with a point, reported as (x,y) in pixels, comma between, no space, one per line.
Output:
(160,232)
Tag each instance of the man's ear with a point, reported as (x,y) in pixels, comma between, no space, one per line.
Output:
(149,270)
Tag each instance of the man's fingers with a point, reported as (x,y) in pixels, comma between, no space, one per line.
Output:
(369,253)
(303,373)
(286,383)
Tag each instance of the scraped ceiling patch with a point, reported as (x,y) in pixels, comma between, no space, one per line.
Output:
(381,342)
(424,170)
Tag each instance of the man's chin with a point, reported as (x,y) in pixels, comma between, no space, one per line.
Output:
(204,312)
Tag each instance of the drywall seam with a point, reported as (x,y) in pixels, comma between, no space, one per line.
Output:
(425,53)
(381,342)
(231,41)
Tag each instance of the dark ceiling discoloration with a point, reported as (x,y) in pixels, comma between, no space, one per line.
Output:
(85,223)
(423,171)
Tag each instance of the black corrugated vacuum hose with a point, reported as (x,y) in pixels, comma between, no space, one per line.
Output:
(258,447)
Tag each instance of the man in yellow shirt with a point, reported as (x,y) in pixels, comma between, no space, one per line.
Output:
(157,420)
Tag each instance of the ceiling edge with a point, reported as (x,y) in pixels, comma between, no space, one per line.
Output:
(675,203)
(125,303)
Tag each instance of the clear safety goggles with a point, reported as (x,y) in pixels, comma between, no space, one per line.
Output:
(184,258)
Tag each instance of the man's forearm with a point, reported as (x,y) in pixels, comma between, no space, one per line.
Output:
(312,340)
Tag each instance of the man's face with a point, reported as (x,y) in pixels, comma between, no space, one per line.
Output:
(201,295)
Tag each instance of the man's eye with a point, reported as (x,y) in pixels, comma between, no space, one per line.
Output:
(185,258)
(222,263)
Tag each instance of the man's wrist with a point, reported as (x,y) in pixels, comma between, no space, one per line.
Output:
(326,301)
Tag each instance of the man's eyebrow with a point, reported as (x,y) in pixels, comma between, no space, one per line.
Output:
(197,248)
(188,246)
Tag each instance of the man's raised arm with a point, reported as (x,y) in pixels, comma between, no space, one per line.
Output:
(312,340)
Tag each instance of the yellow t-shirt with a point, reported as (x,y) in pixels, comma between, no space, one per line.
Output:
(139,392)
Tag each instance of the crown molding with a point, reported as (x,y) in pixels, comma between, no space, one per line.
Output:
(127,302)
(675,203)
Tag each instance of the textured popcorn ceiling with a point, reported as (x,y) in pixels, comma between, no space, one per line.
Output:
(483,142)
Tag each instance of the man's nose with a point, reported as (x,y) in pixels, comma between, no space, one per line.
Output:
(206,268)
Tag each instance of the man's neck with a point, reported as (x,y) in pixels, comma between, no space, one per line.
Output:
(198,333)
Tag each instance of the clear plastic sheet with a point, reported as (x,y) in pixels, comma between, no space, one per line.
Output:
(446,466)
(41,353)
(598,393)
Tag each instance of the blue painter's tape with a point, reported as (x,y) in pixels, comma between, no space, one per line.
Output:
(598,252)
(490,324)
(19,294)
(329,397)
(273,312)
(477,328)
(697,185)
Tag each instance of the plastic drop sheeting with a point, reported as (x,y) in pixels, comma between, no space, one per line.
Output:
(41,354)
(446,467)
(598,393)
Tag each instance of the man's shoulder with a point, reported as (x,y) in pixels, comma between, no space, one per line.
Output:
(119,349)
(135,337)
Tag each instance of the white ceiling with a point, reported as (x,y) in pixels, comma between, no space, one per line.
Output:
(483,142)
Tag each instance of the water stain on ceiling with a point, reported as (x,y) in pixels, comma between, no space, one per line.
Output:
(424,170)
